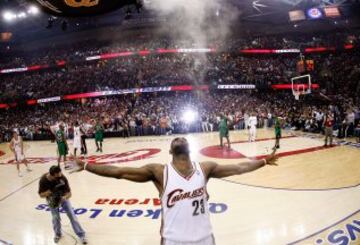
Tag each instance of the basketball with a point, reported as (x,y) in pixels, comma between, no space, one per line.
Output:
(81,7)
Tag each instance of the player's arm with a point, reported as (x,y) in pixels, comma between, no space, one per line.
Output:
(53,129)
(11,146)
(21,145)
(214,170)
(141,174)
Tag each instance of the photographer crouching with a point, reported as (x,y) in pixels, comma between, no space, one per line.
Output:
(54,186)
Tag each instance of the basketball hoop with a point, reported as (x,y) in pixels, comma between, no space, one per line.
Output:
(302,88)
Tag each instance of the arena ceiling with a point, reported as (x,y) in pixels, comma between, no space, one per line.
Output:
(256,15)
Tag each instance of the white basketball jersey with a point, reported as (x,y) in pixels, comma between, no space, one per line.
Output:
(77,138)
(252,121)
(184,206)
(77,132)
(17,144)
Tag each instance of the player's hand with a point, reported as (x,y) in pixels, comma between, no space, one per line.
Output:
(79,165)
(272,158)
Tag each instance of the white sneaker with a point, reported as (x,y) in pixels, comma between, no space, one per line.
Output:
(20,174)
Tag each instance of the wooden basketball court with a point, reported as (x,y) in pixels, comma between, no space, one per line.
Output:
(312,197)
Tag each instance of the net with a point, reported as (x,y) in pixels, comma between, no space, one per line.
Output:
(301,83)
(297,94)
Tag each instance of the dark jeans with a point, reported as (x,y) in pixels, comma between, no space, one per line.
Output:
(139,130)
(357,132)
(162,131)
(56,220)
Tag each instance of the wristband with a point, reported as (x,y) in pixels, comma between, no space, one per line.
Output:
(85,165)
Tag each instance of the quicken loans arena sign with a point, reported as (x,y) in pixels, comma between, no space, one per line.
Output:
(149,208)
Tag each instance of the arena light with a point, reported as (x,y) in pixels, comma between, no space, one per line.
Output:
(21,15)
(189,116)
(9,16)
(314,13)
(33,10)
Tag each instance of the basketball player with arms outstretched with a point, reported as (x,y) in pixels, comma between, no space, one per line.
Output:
(182,188)
(17,147)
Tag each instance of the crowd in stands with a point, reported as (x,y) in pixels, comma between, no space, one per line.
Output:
(148,71)
(166,113)
(225,66)
(334,72)
(338,75)
(91,47)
